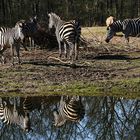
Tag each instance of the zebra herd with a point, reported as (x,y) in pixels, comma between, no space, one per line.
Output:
(69,108)
(67,34)
(12,37)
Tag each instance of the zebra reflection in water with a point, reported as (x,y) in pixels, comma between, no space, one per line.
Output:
(13,114)
(70,108)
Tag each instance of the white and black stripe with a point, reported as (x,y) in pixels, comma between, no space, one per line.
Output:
(70,109)
(130,27)
(29,28)
(10,37)
(67,33)
(11,114)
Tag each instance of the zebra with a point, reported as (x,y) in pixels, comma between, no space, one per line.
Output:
(29,28)
(11,114)
(67,33)
(10,38)
(130,27)
(70,108)
(109,21)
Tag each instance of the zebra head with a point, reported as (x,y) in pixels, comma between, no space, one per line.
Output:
(70,109)
(116,26)
(111,30)
(18,31)
(110,34)
(59,120)
(29,27)
(53,20)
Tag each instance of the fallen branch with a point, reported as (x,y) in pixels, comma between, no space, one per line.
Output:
(52,54)
(64,62)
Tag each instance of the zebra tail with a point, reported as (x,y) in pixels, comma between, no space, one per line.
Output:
(77,38)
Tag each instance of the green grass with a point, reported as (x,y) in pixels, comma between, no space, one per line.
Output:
(97,30)
(91,31)
(128,88)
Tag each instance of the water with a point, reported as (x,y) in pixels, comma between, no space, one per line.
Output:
(106,118)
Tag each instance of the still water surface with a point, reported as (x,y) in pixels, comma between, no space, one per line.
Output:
(105,118)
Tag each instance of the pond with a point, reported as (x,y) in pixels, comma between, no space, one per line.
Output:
(42,118)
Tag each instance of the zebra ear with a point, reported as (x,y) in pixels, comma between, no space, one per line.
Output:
(107,28)
(49,15)
(20,25)
(35,18)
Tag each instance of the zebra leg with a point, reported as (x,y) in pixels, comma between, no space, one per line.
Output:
(65,50)
(33,43)
(58,119)
(12,51)
(76,51)
(71,50)
(2,56)
(2,59)
(24,44)
(60,49)
(26,122)
(127,39)
(17,51)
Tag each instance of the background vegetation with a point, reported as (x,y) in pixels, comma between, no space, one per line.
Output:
(90,12)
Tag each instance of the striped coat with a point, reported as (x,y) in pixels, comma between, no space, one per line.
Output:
(10,38)
(11,114)
(67,33)
(129,27)
(70,108)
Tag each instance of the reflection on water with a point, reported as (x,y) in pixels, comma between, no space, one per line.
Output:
(88,118)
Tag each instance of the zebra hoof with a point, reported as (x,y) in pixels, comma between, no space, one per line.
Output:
(107,40)
(20,63)
(76,58)
(66,56)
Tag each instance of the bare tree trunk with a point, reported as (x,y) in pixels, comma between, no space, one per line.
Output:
(138,4)
(121,9)
(67,7)
(10,11)
(3,10)
(117,9)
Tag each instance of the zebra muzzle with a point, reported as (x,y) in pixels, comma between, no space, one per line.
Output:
(107,40)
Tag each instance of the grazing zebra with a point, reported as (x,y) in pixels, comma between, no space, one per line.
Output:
(70,108)
(67,33)
(10,37)
(109,21)
(130,27)
(11,114)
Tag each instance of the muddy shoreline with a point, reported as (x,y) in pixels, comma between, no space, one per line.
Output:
(102,67)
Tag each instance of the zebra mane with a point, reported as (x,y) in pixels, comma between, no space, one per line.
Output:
(117,21)
(54,16)
(21,21)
